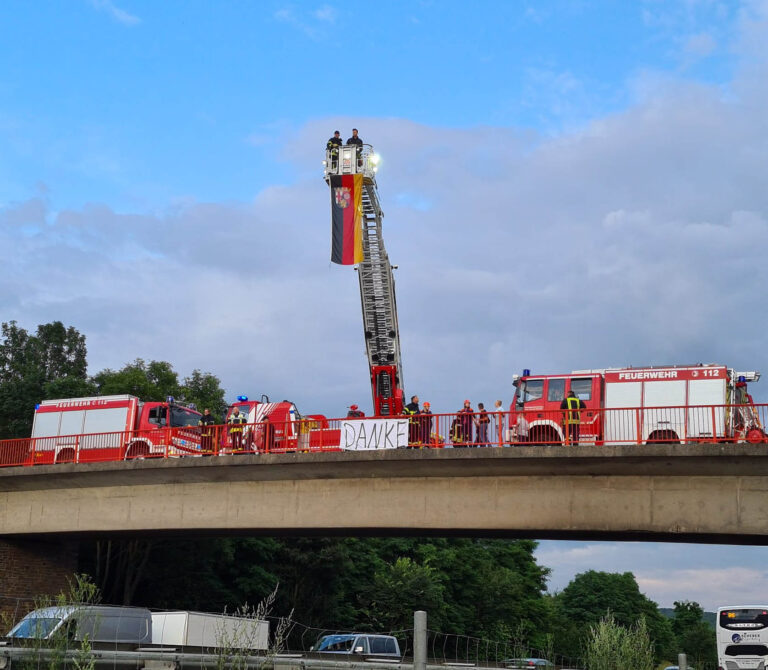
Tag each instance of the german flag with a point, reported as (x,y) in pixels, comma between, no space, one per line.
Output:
(347,219)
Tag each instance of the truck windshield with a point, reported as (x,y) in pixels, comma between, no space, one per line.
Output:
(34,627)
(533,390)
(336,643)
(181,416)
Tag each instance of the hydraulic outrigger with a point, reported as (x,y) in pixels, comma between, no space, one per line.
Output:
(377,283)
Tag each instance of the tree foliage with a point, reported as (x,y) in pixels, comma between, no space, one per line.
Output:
(153,381)
(37,367)
(592,595)
(204,390)
(157,380)
(398,589)
(612,646)
(695,636)
(484,588)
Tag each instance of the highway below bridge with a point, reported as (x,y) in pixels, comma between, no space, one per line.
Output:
(714,493)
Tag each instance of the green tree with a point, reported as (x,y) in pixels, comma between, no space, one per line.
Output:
(154,381)
(157,380)
(60,351)
(484,588)
(400,588)
(492,586)
(204,390)
(695,636)
(50,364)
(591,595)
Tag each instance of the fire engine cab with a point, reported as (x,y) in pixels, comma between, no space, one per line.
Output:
(666,404)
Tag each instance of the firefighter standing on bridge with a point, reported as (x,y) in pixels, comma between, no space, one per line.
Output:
(236,422)
(206,424)
(572,416)
(425,425)
(412,410)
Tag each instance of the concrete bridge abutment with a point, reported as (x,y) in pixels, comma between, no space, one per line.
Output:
(31,569)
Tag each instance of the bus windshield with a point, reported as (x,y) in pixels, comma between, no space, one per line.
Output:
(744,619)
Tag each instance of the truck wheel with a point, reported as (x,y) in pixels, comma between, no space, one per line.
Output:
(137,450)
(543,435)
(755,436)
(65,456)
(663,437)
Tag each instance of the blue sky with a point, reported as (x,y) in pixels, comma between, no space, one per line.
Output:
(140,103)
(585,180)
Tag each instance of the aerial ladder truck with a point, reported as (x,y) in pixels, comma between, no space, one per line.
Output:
(351,168)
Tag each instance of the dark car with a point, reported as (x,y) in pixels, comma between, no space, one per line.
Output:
(358,643)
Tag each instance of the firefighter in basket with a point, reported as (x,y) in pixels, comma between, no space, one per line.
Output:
(332,146)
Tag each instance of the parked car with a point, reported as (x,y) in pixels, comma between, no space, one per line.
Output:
(358,643)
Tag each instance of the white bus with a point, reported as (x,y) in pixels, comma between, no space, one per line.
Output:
(742,637)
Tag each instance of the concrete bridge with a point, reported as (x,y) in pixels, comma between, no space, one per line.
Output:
(706,492)
(693,493)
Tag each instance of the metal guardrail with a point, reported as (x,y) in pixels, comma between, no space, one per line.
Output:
(601,427)
(164,658)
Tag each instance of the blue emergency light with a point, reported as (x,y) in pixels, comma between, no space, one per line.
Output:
(741,378)
(242,398)
(526,373)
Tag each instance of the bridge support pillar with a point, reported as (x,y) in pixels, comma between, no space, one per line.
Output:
(29,570)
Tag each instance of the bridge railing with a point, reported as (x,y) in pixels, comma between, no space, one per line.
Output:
(600,427)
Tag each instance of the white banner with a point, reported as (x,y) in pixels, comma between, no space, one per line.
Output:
(365,434)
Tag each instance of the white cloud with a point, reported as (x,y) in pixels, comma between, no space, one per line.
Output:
(699,46)
(325,13)
(313,24)
(717,587)
(630,241)
(116,13)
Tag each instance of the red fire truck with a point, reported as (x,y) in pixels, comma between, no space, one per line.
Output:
(665,404)
(106,428)
(277,427)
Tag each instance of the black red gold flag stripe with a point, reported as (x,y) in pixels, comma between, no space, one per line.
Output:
(347,219)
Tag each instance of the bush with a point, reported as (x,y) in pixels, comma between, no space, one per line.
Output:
(613,647)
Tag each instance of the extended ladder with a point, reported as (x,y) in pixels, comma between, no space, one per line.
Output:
(377,284)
